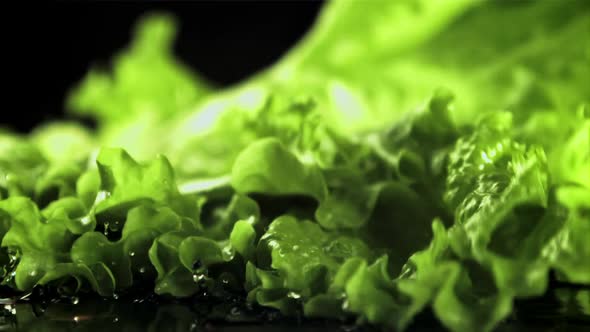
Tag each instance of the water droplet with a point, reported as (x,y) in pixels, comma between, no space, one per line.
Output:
(251,220)
(85,220)
(115,320)
(485,157)
(13,255)
(225,280)
(345,305)
(115,296)
(294,295)
(76,319)
(113,263)
(235,311)
(198,277)
(349,328)
(33,273)
(114,226)
(295,247)
(132,254)
(228,252)
(75,300)
(10,308)
(142,269)
(101,196)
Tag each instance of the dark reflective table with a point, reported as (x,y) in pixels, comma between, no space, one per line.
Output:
(562,309)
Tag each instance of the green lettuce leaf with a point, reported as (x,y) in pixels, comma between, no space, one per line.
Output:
(41,244)
(147,86)
(297,261)
(126,183)
(20,163)
(568,251)
(173,277)
(94,248)
(64,142)
(503,213)
(462,294)
(311,188)
(266,167)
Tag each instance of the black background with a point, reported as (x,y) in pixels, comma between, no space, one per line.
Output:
(51,46)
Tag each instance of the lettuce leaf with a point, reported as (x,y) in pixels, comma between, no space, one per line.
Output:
(405,155)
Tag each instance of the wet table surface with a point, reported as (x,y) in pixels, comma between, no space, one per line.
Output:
(560,310)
